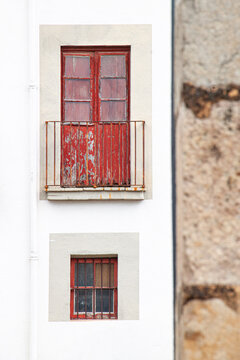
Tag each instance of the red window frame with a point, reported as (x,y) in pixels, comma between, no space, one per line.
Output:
(75,315)
(111,159)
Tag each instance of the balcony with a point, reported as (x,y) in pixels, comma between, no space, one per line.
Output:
(95,160)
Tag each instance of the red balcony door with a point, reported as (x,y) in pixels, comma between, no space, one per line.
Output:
(95,136)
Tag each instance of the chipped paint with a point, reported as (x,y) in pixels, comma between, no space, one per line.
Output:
(90,156)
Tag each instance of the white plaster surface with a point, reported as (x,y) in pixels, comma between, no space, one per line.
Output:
(63,246)
(14,204)
(152,335)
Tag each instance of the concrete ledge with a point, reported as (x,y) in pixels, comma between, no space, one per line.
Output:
(71,194)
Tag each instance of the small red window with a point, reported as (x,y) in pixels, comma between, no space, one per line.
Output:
(93,288)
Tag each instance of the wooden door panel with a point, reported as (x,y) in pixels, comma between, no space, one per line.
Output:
(78,155)
(95,135)
(113,107)
(112,154)
(95,155)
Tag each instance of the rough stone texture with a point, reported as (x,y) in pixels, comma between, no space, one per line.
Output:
(211,41)
(211,331)
(210,162)
(200,99)
(228,294)
(207,123)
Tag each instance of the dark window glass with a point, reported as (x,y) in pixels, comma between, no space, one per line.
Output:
(105,295)
(82,276)
(83,300)
(79,275)
(89,276)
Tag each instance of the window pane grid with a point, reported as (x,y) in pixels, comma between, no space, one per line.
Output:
(89,299)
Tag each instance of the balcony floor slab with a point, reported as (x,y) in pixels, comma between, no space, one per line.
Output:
(132,193)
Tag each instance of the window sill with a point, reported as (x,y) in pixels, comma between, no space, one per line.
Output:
(121,193)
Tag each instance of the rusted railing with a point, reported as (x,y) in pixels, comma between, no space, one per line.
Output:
(94,154)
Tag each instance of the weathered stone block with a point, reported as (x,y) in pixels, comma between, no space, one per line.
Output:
(211,41)
(209,159)
(211,331)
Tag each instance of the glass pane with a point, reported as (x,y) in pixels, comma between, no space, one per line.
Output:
(112,276)
(98,275)
(77,66)
(77,89)
(79,273)
(83,300)
(105,275)
(113,65)
(102,300)
(113,111)
(77,111)
(89,275)
(113,88)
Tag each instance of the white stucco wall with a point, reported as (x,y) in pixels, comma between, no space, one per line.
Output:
(152,335)
(14,204)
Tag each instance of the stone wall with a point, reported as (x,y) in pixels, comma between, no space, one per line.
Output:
(207,125)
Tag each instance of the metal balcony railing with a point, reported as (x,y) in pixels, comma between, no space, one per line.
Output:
(95,154)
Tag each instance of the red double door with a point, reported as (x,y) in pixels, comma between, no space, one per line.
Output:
(95,127)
